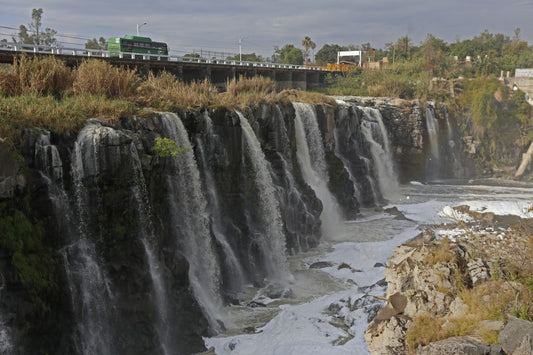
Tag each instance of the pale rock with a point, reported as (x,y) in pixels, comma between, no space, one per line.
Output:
(458,345)
(514,334)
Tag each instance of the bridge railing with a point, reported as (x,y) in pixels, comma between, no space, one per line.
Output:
(97,53)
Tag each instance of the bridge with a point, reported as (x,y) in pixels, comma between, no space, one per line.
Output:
(217,71)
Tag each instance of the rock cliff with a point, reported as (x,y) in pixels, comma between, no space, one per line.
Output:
(459,291)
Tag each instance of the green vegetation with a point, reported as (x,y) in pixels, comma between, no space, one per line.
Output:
(165,147)
(289,54)
(37,36)
(35,261)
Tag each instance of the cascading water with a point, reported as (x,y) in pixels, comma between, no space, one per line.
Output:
(343,113)
(375,133)
(269,234)
(236,276)
(311,157)
(453,154)
(88,283)
(146,234)
(300,223)
(190,219)
(433,165)
(6,344)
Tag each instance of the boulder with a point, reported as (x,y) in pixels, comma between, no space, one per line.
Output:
(526,347)
(516,335)
(478,271)
(458,345)
(387,337)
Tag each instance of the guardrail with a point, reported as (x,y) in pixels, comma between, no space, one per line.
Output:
(95,53)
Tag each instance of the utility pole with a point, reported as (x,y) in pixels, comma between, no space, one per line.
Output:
(240,49)
(139,26)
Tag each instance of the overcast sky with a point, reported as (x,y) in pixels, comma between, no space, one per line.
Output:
(217,25)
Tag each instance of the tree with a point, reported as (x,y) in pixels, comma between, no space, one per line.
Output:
(328,53)
(307,43)
(37,37)
(94,43)
(249,57)
(433,51)
(289,54)
(403,48)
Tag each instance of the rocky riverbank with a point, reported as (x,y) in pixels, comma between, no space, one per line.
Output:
(459,288)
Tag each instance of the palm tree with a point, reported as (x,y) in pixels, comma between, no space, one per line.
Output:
(308,43)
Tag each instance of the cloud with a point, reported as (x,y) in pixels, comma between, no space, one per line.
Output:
(218,25)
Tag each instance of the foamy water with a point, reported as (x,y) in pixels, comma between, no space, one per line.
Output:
(302,324)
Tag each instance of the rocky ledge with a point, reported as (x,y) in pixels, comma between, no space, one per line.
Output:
(460,288)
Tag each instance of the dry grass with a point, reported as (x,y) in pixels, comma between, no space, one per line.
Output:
(424,330)
(509,292)
(66,115)
(306,97)
(441,253)
(166,92)
(36,76)
(44,92)
(95,77)
(246,93)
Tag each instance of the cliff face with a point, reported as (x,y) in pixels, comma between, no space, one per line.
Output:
(126,251)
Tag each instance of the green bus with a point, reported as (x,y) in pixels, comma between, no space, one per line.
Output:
(135,44)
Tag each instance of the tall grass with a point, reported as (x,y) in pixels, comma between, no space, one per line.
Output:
(66,115)
(44,92)
(36,76)
(167,92)
(96,77)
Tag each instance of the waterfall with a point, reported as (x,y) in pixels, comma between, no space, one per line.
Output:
(456,168)
(146,235)
(269,234)
(433,165)
(232,263)
(311,157)
(163,325)
(6,343)
(190,219)
(370,179)
(375,134)
(47,157)
(88,283)
(343,116)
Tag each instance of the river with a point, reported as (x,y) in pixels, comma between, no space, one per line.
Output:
(330,304)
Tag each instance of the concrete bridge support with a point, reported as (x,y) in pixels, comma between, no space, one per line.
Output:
(299,80)
(314,79)
(283,79)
